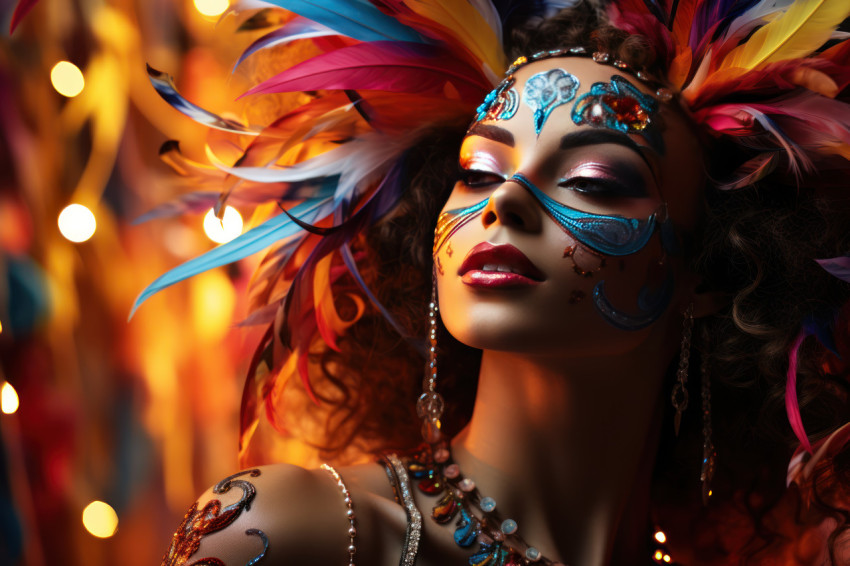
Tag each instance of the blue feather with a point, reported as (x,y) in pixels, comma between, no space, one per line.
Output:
(251,242)
(357,19)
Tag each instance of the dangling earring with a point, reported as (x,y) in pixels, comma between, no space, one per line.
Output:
(680,389)
(430,405)
(709,456)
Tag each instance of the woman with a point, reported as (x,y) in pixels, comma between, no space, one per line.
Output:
(583,249)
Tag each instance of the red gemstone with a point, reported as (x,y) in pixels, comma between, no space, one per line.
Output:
(627,110)
(431,486)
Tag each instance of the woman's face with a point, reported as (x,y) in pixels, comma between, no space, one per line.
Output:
(561,237)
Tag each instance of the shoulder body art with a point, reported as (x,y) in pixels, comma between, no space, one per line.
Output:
(210,518)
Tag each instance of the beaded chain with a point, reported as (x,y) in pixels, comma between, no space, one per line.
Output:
(662,92)
(349,513)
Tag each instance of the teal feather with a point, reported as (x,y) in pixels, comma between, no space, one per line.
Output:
(251,242)
(357,19)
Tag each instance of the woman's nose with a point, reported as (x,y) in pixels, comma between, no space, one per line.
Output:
(513,205)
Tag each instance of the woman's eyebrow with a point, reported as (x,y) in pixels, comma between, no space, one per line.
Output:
(494,133)
(596,137)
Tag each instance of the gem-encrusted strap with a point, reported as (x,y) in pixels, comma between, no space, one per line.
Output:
(349,513)
(414,518)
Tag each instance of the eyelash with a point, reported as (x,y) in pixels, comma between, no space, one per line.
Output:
(468,177)
(592,186)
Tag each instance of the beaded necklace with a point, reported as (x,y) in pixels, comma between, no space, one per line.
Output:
(478,521)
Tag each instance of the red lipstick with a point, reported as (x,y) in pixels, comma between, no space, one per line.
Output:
(500,266)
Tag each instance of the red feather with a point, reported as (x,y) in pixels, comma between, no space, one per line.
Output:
(21,10)
(381,65)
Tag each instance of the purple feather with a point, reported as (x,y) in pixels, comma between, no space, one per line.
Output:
(837,266)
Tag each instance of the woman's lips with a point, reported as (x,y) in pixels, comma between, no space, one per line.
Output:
(498,266)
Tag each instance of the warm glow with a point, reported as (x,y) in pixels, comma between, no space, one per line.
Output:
(224,230)
(666,558)
(710,492)
(100,519)
(211,7)
(67,79)
(213,301)
(661,537)
(658,555)
(9,401)
(77,223)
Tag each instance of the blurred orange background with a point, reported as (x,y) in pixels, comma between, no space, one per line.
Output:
(140,416)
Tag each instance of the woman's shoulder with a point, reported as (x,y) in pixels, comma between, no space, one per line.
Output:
(286,514)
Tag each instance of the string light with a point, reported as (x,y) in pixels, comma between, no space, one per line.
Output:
(666,558)
(658,555)
(224,230)
(660,537)
(77,223)
(100,519)
(211,7)
(9,401)
(67,79)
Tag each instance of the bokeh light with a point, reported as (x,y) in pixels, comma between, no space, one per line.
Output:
(211,7)
(660,537)
(100,519)
(658,555)
(77,223)
(224,230)
(67,79)
(9,401)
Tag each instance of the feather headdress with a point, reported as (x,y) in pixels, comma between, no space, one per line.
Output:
(770,75)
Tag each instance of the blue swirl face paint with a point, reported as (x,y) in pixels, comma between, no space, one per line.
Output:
(616,236)
(500,104)
(610,235)
(651,305)
(619,106)
(546,91)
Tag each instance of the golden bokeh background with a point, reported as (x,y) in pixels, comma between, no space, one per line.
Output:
(110,428)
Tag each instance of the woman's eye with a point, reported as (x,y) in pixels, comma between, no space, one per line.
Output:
(593,186)
(474,178)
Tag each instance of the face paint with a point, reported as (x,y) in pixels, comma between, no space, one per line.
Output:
(546,91)
(500,104)
(570,252)
(610,235)
(451,221)
(212,517)
(619,106)
(651,305)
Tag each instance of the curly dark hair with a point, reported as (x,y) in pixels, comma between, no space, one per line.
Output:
(755,247)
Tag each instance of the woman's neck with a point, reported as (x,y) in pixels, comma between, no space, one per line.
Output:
(563,448)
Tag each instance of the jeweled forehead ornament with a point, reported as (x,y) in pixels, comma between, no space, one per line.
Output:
(502,102)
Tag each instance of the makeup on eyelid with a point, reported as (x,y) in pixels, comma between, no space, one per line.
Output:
(617,179)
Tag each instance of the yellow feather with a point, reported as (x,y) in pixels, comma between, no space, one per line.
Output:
(469,27)
(804,27)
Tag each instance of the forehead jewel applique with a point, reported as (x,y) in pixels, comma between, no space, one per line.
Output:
(618,105)
(546,91)
(500,104)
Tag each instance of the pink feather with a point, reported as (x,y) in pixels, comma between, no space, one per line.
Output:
(792,407)
(380,65)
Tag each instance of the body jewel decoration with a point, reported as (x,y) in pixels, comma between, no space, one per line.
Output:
(619,106)
(500,104)
(546,91)
(610,235)
(211,518)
